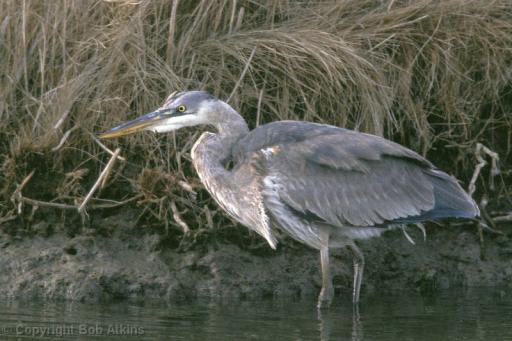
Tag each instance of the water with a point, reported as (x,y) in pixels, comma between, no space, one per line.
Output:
(477,314)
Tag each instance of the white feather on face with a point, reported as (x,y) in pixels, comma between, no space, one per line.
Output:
(174,123)
(187,120)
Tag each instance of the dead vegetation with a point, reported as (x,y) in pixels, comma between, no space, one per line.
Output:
(433,75)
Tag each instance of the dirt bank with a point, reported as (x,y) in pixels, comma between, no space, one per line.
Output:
(123,260)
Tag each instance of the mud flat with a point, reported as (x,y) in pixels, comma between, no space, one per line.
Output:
(121,261)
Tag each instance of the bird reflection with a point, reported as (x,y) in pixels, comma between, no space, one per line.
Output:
(327,318)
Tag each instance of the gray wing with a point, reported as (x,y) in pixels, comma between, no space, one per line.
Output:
(343,177)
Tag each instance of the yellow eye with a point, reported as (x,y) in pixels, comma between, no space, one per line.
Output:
(181,108)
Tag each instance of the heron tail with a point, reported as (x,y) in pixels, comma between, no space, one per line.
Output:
(450,199)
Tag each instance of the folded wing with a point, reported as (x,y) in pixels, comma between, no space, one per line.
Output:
(346,178)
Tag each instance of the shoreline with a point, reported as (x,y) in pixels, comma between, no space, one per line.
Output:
(131,263)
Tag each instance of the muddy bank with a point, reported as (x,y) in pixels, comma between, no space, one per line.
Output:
(131,262)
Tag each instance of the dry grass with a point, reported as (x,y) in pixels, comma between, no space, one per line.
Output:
(429,74)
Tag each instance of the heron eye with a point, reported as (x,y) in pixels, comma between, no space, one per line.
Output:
(181,108)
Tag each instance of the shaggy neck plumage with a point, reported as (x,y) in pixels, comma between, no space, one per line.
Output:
(212,150)
(210,155)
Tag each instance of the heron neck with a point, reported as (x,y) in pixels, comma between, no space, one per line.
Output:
(230,126)
(211,152)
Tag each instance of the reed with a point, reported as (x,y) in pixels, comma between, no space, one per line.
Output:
(433,75)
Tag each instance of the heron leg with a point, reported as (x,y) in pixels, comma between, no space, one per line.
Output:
(327,292)
(358,271)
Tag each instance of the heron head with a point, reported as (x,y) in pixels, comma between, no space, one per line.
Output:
(181,109)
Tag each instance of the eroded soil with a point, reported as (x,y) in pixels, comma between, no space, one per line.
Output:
(128,261)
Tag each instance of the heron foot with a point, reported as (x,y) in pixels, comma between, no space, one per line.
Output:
(325,297)
(327,292)
(358,272)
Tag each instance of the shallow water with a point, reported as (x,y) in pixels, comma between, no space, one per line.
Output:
(476,314)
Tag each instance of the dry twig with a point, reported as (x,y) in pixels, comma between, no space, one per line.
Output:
(101,179)
(65,137)
(63,206)
(242,75)
(177,218)
(105,148)
(503,218)
(479,151)
(15,198)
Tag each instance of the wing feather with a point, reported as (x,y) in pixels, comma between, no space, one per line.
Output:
(340,176)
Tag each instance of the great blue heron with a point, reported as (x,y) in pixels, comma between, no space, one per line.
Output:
(324,186)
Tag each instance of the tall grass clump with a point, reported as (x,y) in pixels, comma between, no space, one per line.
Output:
(433,75)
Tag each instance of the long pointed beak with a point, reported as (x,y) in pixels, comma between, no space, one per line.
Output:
(133,126)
